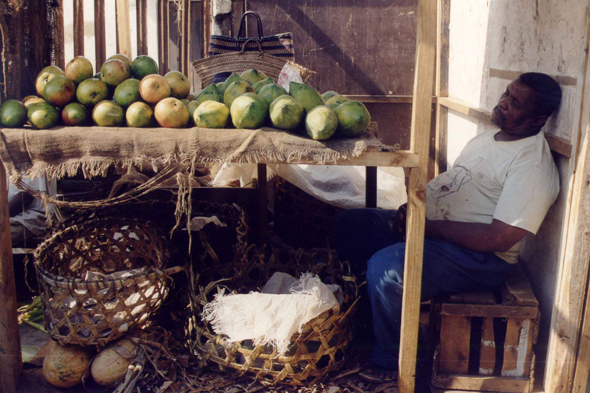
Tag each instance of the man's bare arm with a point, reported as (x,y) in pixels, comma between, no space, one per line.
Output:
(494,237)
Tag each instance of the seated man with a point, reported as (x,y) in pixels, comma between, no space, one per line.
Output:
(498,190)
(27,214)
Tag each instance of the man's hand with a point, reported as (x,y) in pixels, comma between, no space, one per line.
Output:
(398,222)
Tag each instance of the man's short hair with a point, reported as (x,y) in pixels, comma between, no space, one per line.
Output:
(546,89)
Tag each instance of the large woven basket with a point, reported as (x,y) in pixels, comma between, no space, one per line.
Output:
(318,350)
(86,299)
(238,62)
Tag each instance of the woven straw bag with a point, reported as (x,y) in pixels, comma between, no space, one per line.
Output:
(208,67)
(318,350)
(85,301)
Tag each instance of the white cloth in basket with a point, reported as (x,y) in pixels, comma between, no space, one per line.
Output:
(270,318)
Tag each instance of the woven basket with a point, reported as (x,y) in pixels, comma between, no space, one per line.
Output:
(210,66)
(318,350)
(94,310)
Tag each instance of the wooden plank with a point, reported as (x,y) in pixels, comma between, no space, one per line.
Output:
(487,357)
(184,37)
(557,144)
(399,158)
(11,19)
(10,355)
(484,297)
(58,50)
(123,28)
(421,125)
(516,346)
(442,85)
(371,186)
(455,333)
(568,337)
(142,22)
(493,311)
(78,28)
(482,383)
(517,290)
(164,35)
(512,75)
(99,34)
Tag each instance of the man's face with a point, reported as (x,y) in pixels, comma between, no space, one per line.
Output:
(515,112)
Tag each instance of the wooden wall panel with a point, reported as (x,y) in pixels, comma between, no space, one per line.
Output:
(356,47)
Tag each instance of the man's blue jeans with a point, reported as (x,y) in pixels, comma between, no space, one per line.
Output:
(364,237)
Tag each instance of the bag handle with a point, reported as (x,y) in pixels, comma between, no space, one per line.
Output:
(254,40)
(258,21)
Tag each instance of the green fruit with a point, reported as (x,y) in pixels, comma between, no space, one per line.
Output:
(353,119)
(271,92)
(185,102)
(59,91)
(108,114)
(79,69)
(285,113)
(143,66)
(45,76)
(74,114)
(171,113)
(236,89)
(13,114)
(194,105)
(211,114)
(127,92)
(42,115)
(306,95)
(113,72)
(123,58)
(337,99)
(260,84)
(329,94)
(139,114)
(248,111)
(210,92)
(321,123)
(219,86)
(92,91)
(232,78)
(179,84)
(252,76)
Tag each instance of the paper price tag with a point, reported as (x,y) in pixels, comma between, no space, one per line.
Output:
(288,74)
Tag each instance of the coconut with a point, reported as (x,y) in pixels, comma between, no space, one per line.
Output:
(66,366)
(110,365)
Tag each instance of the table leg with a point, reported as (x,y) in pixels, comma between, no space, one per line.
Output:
(371,186)
(10,355)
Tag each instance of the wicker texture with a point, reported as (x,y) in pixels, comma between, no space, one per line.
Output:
(318,350)
(85,310)
(208,67)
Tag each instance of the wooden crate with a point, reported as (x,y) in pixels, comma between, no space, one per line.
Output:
(486,338)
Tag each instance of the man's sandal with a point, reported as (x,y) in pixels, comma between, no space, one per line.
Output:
(378,375)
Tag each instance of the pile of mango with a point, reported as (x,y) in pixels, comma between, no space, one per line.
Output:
(251,100)
(124,92)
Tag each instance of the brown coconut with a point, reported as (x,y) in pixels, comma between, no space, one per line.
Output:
(66,366)
(110,365)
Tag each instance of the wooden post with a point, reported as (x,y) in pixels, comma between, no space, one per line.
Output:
(123,28)
(421,120)
(185,37)
(142,47)
(262,204)
(99,34)
(10,356)
(442,85)
(371,186)
(568,337)
(78,27)
(163,35)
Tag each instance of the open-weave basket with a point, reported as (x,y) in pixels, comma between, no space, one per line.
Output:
(94,310)
(238,62)
(318,350)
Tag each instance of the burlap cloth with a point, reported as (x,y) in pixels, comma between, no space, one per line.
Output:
(62,151)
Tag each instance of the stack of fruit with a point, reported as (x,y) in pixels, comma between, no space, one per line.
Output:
(251,99)
(123,92)
(133,93)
